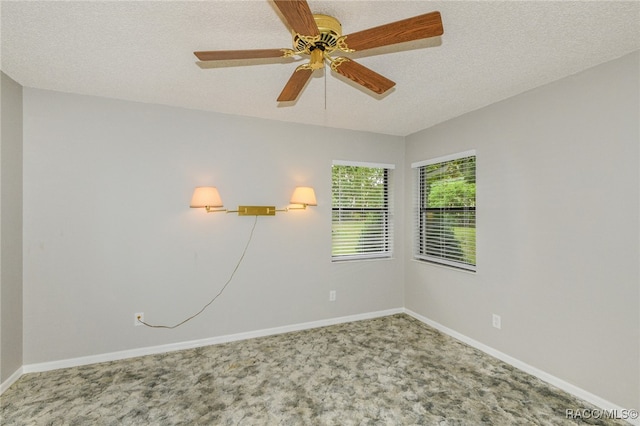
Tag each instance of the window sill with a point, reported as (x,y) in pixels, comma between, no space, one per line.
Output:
(447,267)
(368,259)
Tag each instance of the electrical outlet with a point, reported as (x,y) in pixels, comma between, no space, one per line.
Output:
(332,296)
(137,317)
(497,322)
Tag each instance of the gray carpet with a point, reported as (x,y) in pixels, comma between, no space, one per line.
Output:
(385,371)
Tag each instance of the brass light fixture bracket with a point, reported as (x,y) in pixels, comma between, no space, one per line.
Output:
(256,210)
(335,63)
(288,53)
(342,45)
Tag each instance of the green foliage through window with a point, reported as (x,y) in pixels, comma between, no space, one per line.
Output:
(446,224)
(361,226)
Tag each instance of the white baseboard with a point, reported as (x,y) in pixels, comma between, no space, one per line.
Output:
(152,350)
(11,380)
(549,378)
(115,356)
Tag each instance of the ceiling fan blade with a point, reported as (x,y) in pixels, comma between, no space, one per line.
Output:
(362,75)
(295,84)
(298,16)
(223,55)
(418,27)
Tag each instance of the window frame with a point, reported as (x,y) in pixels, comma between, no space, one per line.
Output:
(419,253)
(386,211)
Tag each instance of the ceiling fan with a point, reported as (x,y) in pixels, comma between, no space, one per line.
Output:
(318,36)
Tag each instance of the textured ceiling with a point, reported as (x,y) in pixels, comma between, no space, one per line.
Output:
(143,51)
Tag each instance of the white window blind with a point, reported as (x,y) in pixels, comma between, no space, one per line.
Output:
(445,223)
(361,211)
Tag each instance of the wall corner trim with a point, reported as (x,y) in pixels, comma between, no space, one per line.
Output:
(11,380)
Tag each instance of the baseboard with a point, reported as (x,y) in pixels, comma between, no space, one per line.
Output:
(152,350)
(549,378)
(11,380)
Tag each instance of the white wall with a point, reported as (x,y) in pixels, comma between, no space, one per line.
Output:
(10,227)
(558,230)
(108,230)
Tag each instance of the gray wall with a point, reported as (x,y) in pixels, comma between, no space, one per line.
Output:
(109,232)
(557,234)
(10,227)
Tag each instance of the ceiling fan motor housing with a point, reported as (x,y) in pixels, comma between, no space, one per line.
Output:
(330,32)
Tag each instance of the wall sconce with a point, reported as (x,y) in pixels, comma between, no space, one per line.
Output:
(302,197)
(208,197)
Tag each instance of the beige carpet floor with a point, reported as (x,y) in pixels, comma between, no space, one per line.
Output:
(385,371)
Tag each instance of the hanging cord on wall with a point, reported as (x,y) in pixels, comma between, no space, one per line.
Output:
(219,293)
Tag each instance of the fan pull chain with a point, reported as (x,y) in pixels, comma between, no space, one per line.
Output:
(325,86)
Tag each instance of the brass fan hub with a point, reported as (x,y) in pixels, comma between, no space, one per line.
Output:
(330,34)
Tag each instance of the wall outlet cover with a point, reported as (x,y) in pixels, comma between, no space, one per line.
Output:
(497,322)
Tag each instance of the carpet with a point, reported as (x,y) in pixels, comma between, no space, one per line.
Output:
(393,370)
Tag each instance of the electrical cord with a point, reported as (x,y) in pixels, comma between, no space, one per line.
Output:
(217,295)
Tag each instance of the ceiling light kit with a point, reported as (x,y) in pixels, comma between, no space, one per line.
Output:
(318,36)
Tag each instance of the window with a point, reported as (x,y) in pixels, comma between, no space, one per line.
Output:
(361,210)
(446,210)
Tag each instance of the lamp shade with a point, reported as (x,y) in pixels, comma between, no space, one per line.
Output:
(206,196)
(304,195)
